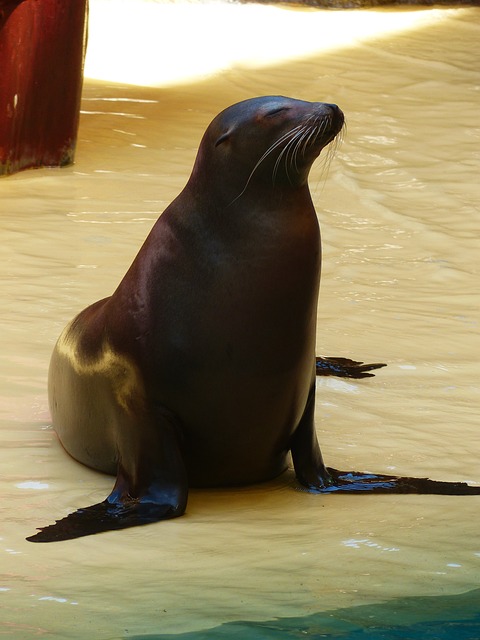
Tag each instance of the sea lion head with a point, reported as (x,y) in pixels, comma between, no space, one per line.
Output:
(264,142)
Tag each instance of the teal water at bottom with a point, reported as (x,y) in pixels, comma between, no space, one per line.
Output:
(419,618)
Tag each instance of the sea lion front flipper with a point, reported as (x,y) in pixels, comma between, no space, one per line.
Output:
(344,367)
(352,481)
(306,455)
(312,473)
(151,485)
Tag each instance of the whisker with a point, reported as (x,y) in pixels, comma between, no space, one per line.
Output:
(291,156)
(314,134)
(272,147)
(295,142)
(326,159)
(302,137)
(301,142)
(283,152)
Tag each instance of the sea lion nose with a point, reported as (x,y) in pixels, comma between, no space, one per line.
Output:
(330,109)
(334,112)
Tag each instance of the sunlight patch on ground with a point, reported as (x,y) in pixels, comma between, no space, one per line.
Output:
(152,43)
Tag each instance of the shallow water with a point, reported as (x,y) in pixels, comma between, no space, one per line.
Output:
(436,617)
(399,216)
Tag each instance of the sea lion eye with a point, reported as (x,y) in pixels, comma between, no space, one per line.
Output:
(274,112)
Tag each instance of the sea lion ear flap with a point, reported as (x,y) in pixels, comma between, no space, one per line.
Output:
(223,137)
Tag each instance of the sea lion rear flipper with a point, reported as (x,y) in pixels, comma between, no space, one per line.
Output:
(155,487)
(344,367)
(103,516)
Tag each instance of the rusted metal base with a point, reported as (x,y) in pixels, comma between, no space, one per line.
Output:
(42,51)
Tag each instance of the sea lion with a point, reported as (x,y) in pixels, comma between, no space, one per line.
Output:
(200,369)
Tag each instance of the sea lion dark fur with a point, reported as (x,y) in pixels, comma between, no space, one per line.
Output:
(199,370)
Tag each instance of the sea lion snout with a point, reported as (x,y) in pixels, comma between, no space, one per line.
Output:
(332,114)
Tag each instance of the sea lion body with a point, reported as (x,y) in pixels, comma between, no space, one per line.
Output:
(175,335)
(206,322)
(199,370)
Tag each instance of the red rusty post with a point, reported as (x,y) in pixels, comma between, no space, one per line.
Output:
(42,50)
